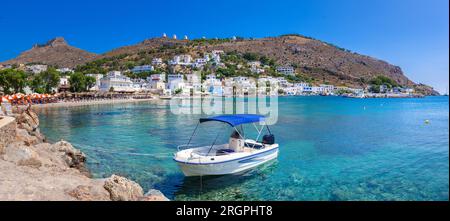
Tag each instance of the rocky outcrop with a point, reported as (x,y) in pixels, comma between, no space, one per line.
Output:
(35,170)
(55,52)
(29,121)
(122,189)
(8,132)
(73,158)
(22,155)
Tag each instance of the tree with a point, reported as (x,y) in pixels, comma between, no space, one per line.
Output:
(90,82)
(77,82)
(383,80)
(50,79)
(250,56)
(37,84)
(178,91)
(130,64)
(13,81)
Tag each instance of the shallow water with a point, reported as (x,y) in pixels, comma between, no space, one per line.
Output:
(331,148)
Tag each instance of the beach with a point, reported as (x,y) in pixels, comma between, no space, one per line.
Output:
(91,102)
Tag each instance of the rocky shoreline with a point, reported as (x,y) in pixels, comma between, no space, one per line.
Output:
(33,169)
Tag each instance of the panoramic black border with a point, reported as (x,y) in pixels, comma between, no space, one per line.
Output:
(297,210)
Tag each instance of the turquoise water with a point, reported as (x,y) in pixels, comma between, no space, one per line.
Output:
(331,148)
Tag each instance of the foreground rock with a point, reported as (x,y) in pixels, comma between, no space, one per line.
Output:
(122,189)
(32,169)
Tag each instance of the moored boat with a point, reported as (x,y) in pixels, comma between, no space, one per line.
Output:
(238,155)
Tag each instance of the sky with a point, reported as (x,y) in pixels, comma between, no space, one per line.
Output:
(413,34)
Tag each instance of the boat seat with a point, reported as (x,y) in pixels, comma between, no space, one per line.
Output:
(220,152)
(253,145)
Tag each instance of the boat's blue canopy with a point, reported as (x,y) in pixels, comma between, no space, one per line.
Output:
(235,119)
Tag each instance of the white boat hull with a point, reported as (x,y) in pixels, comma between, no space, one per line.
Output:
(229,164)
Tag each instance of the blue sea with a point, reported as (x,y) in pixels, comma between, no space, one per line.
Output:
(331,148)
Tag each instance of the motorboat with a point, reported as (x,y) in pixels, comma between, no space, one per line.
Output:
(238,155)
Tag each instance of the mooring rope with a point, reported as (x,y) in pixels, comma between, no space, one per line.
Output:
(92,148)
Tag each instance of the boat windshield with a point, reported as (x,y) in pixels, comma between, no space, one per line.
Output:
(236,140)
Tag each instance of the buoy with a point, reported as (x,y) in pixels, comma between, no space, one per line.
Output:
(427,121)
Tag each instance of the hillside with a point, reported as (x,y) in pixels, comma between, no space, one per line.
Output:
(317,61)
(321,61)
(55,52)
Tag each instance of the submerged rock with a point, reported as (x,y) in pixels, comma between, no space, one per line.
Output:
(122,189)
(154,195)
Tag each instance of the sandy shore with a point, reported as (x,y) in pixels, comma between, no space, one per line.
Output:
(84,103)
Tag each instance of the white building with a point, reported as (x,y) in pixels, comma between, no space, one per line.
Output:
(64,70)
(213,85)
(37,68)
(286,70)
(282,82)
(97,77)
(269,79)
(343,88)
(301,84)
(64,81)
(302,87)
(156,81)
(244,84)
(142,68)
(357,91)
(116,81)
(184,59)
(255,67)
(63,85)
(317,90)
(199,62)
(212,79)
(307,90)
(268,85)
(174,82)
(327,88)
(139,84)
(194,81)
(217,52)
(255,64)
(291,91)
(407,90)
(216,56)
(6,66)
(157,61)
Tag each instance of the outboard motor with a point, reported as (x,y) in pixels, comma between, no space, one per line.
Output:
(268,139)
